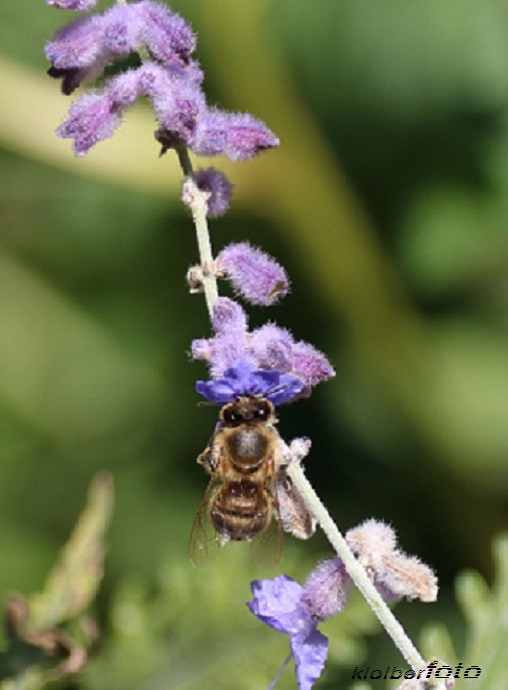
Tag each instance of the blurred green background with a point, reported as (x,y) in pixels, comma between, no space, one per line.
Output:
(388,205)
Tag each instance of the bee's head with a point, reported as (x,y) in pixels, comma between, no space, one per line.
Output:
(247,409)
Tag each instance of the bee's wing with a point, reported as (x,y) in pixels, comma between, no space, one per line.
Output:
(266,548)
(204,541)
(294,515)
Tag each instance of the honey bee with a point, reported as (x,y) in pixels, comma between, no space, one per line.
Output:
(249,492)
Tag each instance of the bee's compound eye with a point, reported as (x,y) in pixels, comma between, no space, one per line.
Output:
(231,417)
(263,410)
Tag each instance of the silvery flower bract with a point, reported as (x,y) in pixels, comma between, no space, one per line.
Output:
(244,379)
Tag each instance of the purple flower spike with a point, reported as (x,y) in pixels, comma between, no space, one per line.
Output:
(217,185)
(79,5)
(91,118)
(245,379)
(257,277)
(278,603)
(235,135)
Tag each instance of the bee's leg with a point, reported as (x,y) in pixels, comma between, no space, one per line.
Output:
(206,459)
(212,459)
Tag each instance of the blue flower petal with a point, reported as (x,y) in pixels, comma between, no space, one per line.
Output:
(245,379)
(289,387)
(310,652)
(216,391)
(277,603)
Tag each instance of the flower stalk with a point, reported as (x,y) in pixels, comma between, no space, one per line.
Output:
(197,202)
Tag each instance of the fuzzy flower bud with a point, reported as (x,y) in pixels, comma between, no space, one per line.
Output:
(168,37)
(229,317)
(325,592)
(255,276)
(270,342)
(75,53)
(218,189)
(310,364)
(229,344)
(91,118)
(84,47)
(238,136)
(272,346)
(394,574)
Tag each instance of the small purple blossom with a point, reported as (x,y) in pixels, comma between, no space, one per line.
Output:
(238,136)
(91,118)
(278,603)
(244,379)
(78,5)
(168,37)
(218,188)
(255,275)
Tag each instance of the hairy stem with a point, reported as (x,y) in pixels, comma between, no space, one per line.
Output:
(196,200)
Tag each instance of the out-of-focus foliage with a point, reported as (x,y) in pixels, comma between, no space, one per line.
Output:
(387,205)
(485,610)
(40,647)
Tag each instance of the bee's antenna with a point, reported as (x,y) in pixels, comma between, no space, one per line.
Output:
(205,403)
